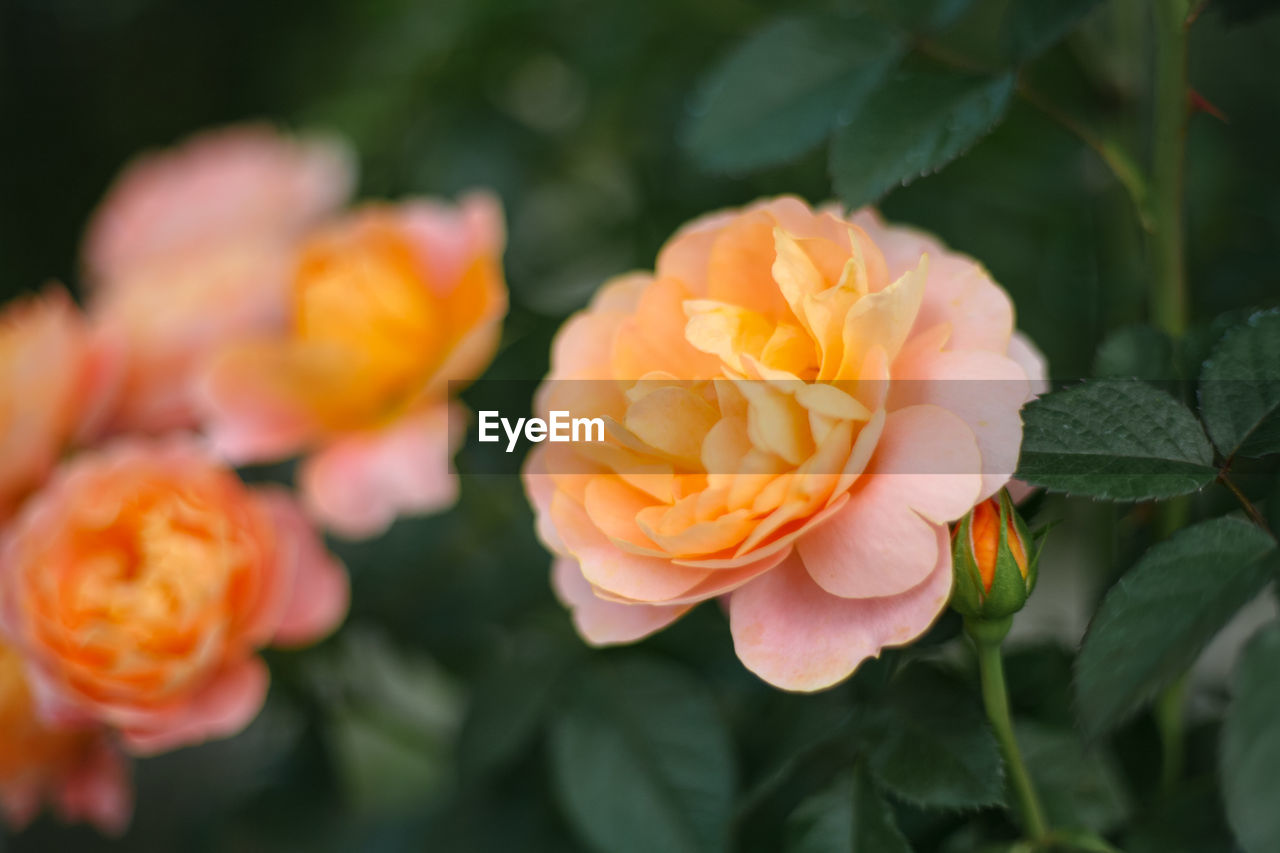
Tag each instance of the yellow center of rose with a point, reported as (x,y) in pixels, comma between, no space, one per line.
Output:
(160,565)
(359,297)
(367,331)
(756,406)
(144,590)
(387,305)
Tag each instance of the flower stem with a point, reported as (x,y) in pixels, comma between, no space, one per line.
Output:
(1249,509)
(1168,296)
(1168,286)
(987,635)
(1171,725)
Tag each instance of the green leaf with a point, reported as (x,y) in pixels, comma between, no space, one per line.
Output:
(508,706)
(1038,677)
(1240,388)
(779,94)
(928,742)
(922,16)
(1161,614)
(1032,28)
(392,722)
(1135,352)
(848,817)
(1080,788)
(1187,820)
(1239,12)
(1116,440)
(642,761)
(1195,347)
(1251,745)
(914,122)
(1273,506)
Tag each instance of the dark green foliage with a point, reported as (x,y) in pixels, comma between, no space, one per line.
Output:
(1240,389)
(779,94)
(1031,28)
(1135,352)
(642,760)
(928,742)
(850,816)
(914,123)
(1114,440)
(1080,785)
(1251,745)
(1162,613)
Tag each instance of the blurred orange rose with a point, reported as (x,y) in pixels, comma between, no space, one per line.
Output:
(796,404)
(389,305)
(139,582)
(56,379)
(79,770)
(194,244)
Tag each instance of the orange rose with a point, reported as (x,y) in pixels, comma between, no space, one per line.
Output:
(796,405)
(140,581)
(77,769)
(193,245)
(56,380)
(389,305)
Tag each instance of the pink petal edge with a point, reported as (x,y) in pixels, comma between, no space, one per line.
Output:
(796,636)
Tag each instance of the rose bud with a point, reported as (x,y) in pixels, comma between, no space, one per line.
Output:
(994,568)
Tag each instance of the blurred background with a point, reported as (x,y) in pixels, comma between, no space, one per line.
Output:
(424,723)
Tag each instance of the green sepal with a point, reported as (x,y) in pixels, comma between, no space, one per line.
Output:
(967,593)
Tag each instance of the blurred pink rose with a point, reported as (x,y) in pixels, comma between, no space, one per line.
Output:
(140,581)
(389,305)
(78,770)
(194,245)
(56,380)
(766,456)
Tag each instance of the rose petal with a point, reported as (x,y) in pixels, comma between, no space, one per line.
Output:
(602,622)
(985,389)
(924,473)
(228,183)
(609,568)
(98,789)
(244,418)
(960,292)
(227,704)
(20,803)
(358,485)
(317,593)
(1031,360)
(790,632)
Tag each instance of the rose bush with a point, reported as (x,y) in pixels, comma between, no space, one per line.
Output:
(797,404)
